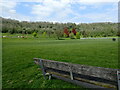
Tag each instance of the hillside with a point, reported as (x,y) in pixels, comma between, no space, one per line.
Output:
(86,29)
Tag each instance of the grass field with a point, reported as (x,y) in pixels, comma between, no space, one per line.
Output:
(20,71)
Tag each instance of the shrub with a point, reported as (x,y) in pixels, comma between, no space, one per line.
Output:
(11,31)
(66,32)
(65,35)
(71,35)
(114,39)
(78,35)
(44,34)
(74,31)
(34,34)
(58,33)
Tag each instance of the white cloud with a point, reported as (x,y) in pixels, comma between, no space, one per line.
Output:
(109,15)
(94,1)
(52,8)
(17,17)
(7,6)
(60,10)
(63,0)
(26,5)
(9,11)
(82,7)
(12,11)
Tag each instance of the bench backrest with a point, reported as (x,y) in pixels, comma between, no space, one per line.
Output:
(100,72)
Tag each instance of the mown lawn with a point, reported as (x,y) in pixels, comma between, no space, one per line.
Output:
(19,70)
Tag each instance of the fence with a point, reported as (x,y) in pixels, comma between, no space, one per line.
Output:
(87,76)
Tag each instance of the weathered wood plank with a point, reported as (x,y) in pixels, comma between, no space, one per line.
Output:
(106,85)
(87,85)
(80,76)
(106,73)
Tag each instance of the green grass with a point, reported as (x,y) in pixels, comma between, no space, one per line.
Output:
(20,71)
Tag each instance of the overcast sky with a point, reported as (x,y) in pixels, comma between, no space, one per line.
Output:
(79,11)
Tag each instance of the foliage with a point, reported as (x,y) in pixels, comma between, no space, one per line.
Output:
(66,32)
(65,35)
(87,30)
(58,34)
(78,35)
(85,34)
(44,34)
(74,31)
(71,35)
(49,32)
(34,34)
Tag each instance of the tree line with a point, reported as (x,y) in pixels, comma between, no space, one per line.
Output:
(60,29)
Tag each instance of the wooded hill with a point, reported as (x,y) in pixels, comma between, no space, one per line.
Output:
(86,29)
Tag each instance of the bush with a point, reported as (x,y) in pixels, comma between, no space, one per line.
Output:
(34,34)
(114,39)
(78,35)
(72,36)
(58,33)
(11,31)
(44,34)
(65,35)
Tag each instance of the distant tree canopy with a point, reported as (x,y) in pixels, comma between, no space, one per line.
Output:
(60,29)
(66,32)
(74,31)
(34,34)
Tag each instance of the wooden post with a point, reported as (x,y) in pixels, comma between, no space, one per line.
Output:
(43,69)
(71,74)
(118,77)
(50,76)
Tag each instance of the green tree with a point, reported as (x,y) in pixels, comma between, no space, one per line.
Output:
(71,35)
(78,35)
(34,34)
(65,36)
(44,34)
(58,34)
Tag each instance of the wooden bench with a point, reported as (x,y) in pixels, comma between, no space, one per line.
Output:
(87,76)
